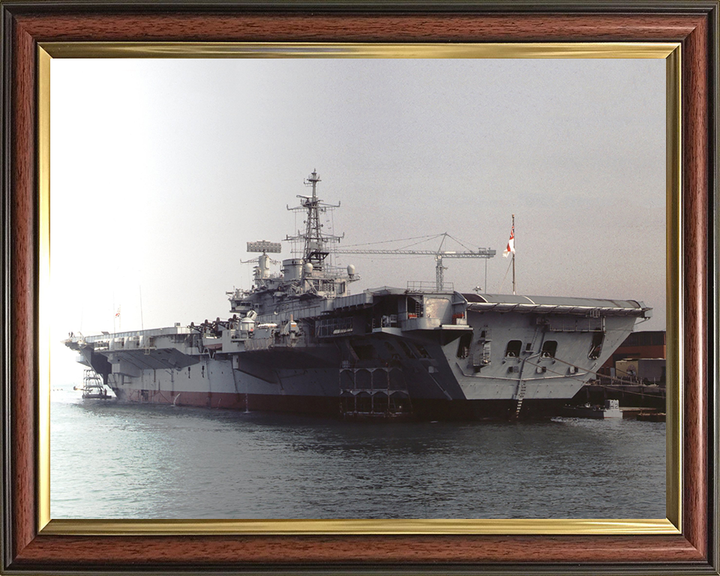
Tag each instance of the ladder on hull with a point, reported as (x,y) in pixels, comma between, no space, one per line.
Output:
(519,396)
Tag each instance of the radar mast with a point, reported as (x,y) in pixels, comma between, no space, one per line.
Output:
(314,242)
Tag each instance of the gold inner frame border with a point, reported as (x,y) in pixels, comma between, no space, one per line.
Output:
(669,51)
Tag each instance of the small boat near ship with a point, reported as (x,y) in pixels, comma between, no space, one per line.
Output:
(610,410)
(299,341)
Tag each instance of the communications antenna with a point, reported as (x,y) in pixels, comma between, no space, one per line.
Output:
(314,242)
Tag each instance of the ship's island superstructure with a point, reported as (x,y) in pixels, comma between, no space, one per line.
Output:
(299,342)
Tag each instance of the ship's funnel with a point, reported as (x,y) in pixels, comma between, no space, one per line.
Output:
(292,269)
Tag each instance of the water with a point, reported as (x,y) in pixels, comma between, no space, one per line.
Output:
(110,460)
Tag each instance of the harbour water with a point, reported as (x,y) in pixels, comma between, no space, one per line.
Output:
(110,460)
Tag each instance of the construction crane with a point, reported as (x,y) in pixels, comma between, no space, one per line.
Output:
(439,254)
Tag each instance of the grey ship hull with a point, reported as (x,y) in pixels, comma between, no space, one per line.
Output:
(495,357)
(297,342)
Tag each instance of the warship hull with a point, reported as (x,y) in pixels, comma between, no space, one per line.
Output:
(461,357)
(299,342)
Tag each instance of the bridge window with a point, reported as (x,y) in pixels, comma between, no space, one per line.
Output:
(513,349)
(549,348)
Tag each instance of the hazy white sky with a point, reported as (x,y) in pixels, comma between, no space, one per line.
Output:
(162,170)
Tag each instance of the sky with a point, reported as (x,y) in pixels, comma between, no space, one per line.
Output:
(162,170)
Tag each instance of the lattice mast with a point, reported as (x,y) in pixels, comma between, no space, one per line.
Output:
(314,242)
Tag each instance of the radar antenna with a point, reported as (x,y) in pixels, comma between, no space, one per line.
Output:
(262,270)
(314,241)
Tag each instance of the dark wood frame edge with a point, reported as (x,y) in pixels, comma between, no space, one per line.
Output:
(695,24)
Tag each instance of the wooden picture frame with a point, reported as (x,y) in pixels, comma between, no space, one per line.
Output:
(29,547)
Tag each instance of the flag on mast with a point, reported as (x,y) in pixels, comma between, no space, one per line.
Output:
(117,314)
(511,243)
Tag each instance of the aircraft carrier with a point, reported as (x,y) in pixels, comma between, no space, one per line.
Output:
(298,341)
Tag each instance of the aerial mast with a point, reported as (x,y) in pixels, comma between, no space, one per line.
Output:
(314,242)
(314,250)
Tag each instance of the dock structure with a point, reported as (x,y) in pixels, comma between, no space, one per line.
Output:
(93,386)
(634,374)
(630,395)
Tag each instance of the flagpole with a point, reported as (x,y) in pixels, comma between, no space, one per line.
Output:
(513,255)
(510,251)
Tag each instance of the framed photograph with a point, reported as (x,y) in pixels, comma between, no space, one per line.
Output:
(144,106)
